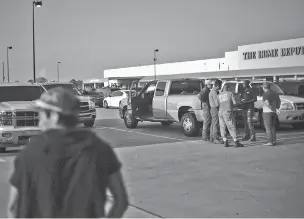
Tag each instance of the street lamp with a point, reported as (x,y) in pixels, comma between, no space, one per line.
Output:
(8,48)
(37,4)
(58,63)
(155,59)
(3,77)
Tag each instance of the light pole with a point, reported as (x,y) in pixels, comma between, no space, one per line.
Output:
(3,77)
(8,48)
(37,4)
(155,59)
(58,63)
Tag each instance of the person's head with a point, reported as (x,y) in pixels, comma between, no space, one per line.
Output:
(246,84)
(217,84)
(266,86)
(208,84)
(58,108)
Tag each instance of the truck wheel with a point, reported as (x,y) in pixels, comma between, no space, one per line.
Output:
(166,123)
(130,121)
(189,125)
(105,104)
(2,150)
(89,124)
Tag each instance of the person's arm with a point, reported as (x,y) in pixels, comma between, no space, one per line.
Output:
(12,202)
(233,98)
(278,102)
(118,190)
(116,186)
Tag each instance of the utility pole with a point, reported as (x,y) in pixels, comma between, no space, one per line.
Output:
(155,59)
(3,76)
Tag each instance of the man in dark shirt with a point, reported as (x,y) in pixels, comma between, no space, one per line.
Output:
(64,172)
(203,96)
(247,99)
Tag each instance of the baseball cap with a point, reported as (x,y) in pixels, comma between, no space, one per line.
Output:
(207,82)
(59,100)
(266,85)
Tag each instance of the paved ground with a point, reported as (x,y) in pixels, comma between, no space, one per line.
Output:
(170,175)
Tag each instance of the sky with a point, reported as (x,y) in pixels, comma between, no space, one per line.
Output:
(89,36)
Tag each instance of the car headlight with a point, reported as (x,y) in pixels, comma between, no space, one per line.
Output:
(6,114)
(91,104)
(286,106)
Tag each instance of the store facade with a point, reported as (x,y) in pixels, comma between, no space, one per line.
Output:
(281,55)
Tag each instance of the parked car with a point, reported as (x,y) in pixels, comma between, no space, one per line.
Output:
(166,101)
(96,97)
(114,99)
(291,110)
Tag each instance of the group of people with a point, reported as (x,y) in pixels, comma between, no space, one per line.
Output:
(219,117)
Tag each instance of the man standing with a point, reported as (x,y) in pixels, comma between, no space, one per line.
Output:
(247,99)
(203,96)
(226,116)
(64,172)
(214,110)
(271,104)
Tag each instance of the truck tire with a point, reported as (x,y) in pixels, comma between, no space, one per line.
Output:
(130,121)
(105,104)
(189,125)
(166,123)
(89,124)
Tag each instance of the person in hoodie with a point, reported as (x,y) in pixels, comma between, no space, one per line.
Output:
(64,172)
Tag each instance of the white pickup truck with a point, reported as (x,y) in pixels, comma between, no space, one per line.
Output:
(166,101)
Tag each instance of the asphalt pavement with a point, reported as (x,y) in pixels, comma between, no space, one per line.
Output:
(171,175)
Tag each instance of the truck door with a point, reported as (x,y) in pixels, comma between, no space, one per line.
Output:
(160,100)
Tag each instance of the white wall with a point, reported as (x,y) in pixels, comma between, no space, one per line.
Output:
(169,68)
(272,62)
(232,60)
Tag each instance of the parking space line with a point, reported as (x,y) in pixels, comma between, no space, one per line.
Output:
(140,133)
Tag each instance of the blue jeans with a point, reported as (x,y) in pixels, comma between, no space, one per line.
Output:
(207,121)
(248,123)
(215,126)
(270,126)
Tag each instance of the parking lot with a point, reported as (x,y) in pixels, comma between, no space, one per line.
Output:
(171,175)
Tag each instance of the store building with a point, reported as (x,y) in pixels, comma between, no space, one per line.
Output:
(270,60)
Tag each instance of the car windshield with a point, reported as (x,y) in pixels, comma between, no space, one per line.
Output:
(20,93)
(133,93)
(185,86)
(292,88)
(71,87)
(258,88)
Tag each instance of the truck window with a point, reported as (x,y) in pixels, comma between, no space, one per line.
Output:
(20,93)
(185,87)
(231,86)
(160,89)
